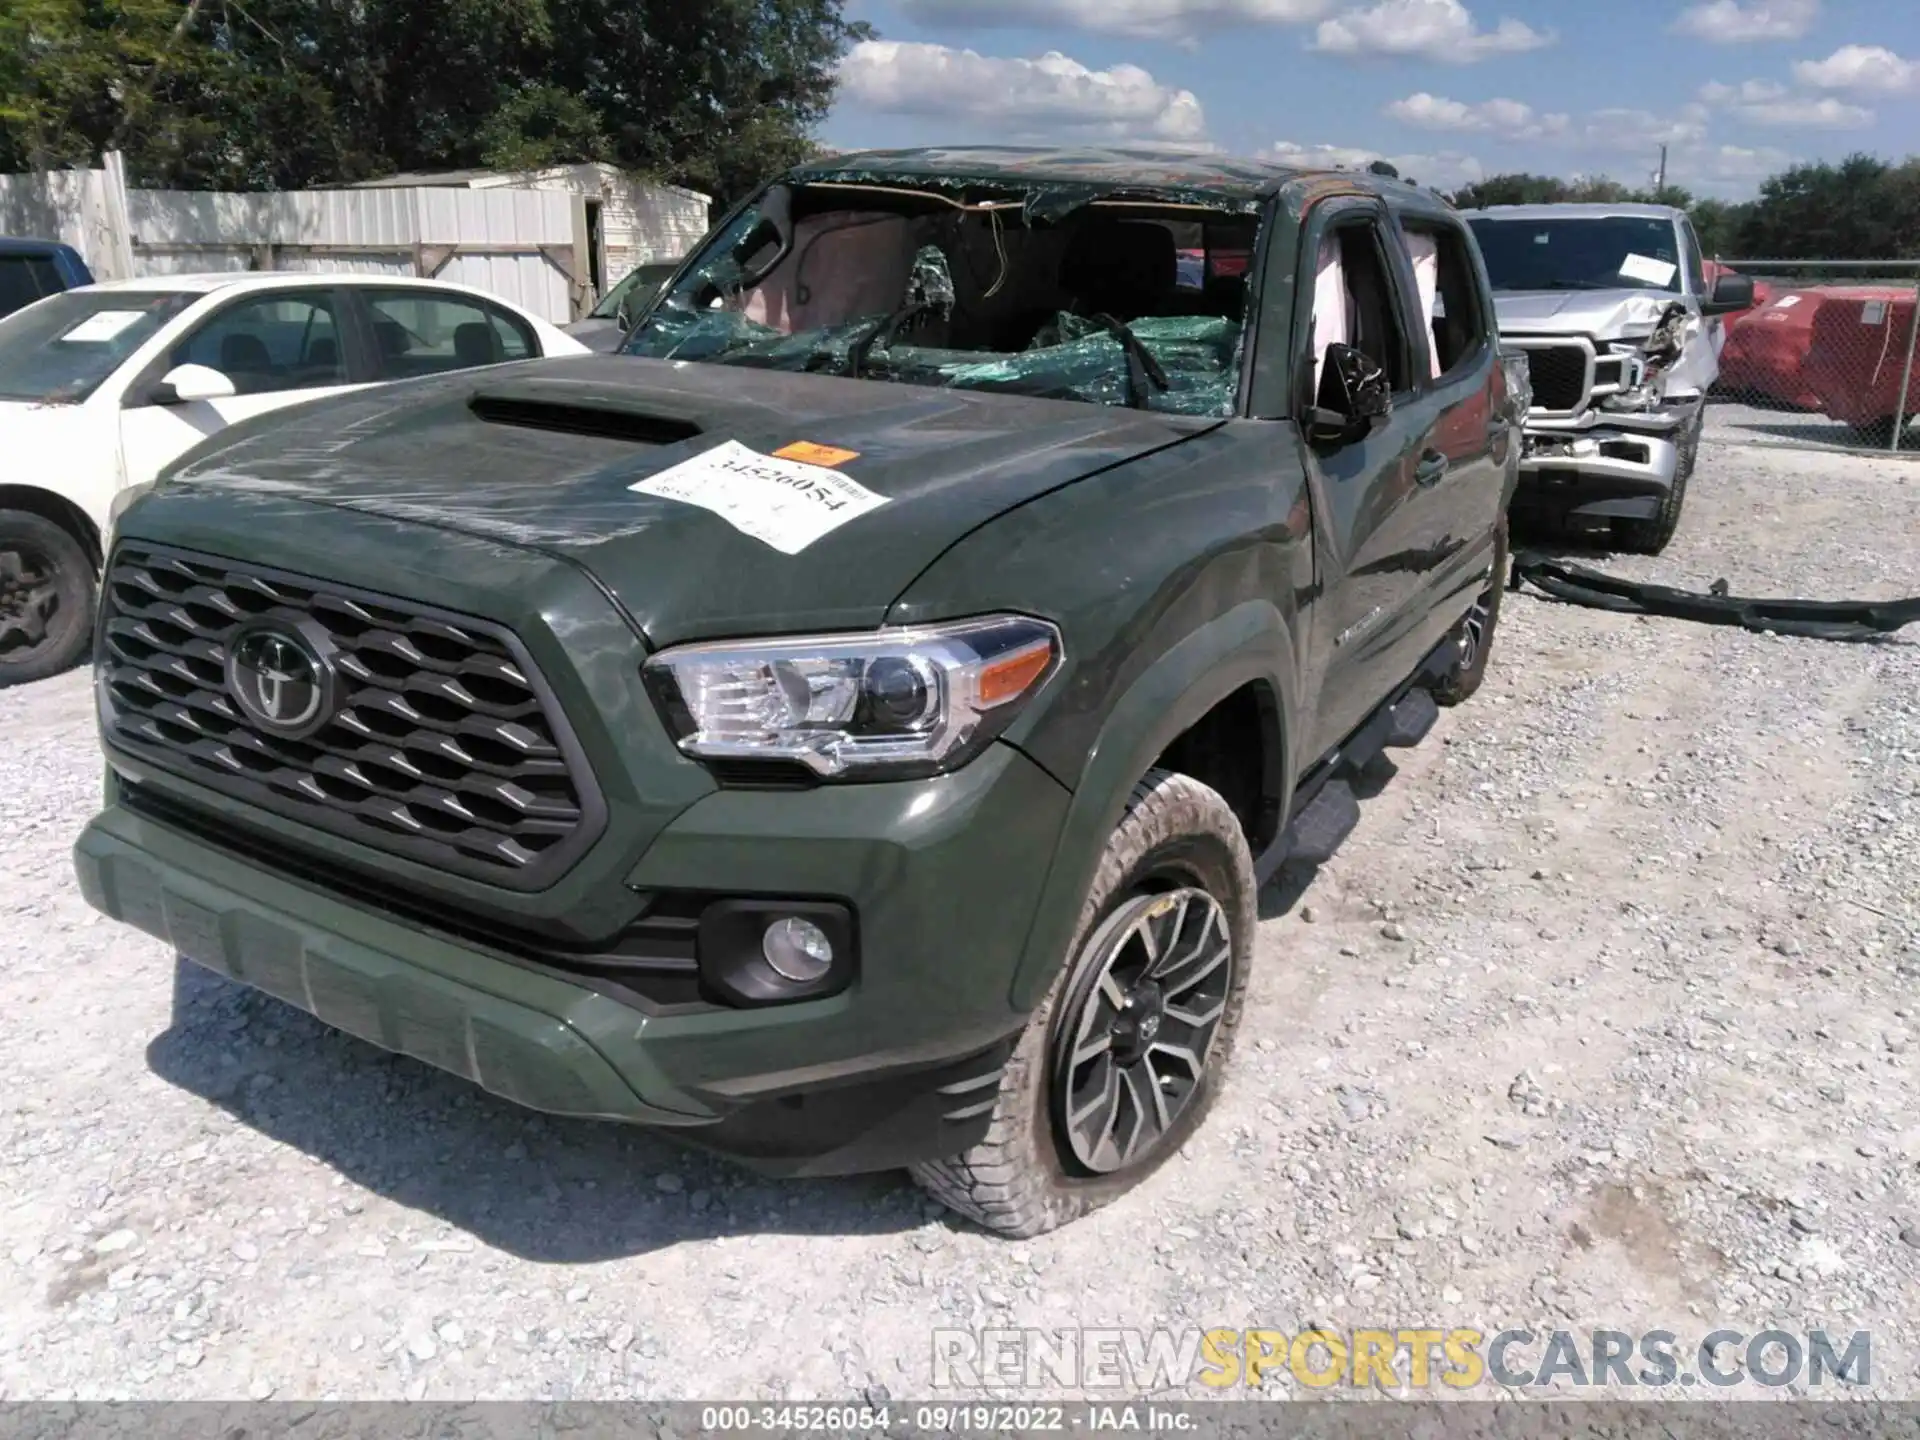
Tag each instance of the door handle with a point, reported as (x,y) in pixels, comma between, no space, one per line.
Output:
(1431,469)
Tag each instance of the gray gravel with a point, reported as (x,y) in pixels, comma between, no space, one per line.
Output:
(1605,1016)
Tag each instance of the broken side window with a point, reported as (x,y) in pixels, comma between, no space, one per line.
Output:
(1451,306)
(1355,301)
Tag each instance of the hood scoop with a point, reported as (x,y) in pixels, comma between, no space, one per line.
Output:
(604,413)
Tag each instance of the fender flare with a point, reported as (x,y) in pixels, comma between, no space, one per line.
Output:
(1251,642)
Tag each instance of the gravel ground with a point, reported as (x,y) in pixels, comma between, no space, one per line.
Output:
(1604,1016)
(1734,420)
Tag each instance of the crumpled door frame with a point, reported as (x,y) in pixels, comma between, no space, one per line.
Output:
(1811,619)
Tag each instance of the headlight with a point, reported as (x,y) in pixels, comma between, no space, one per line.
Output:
(888,703)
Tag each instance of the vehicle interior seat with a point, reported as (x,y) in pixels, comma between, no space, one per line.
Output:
(394,343)
(475,344)
(245,361)
(1126,269)
(1225,296)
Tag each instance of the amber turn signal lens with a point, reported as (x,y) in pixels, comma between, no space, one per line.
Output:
(1011,676)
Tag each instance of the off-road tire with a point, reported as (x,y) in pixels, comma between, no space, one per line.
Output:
(37,546)
(1464,679)
(1650,537)
(1021,1181)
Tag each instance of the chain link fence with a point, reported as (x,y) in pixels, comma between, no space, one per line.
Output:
(1824,358)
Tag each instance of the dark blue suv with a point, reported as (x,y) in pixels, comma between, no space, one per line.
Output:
(31,270)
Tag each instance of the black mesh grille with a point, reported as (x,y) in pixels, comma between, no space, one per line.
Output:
(445,746)
(1559,376)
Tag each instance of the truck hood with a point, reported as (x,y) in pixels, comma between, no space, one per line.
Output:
(1625,314)
(544,456)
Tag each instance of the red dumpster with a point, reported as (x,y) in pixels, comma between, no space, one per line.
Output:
(1767,352)
(1858,355)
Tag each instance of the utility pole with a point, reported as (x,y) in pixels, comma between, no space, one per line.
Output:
(1660,183)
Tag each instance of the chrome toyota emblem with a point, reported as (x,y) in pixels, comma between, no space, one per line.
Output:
(279,681)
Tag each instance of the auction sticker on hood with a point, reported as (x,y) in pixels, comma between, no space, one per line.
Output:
(829,455)
(784,503)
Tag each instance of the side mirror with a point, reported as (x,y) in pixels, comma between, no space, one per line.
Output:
(775,228)
(186,383)
(1731,294)
(1355,397)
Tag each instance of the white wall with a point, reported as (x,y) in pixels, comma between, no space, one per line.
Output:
(503,218)
(646,224)
(641,223)
(65,205)
(366,231)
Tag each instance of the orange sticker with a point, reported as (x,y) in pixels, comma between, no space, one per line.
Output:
(809,453)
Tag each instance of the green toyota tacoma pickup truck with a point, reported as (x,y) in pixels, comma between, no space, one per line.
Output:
(850,727)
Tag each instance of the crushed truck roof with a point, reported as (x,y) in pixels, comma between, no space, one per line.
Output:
(1229,181)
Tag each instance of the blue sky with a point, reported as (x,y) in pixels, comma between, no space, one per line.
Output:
(1446,89)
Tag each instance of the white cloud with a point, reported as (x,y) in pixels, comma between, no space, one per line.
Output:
(1722,165)
(1054,95)
(1730,22)
(1151,19)
(1800,112)
(1766,102)
(1510,118)
(1446,170)
(1870,69)
(1747,92)
(1441,30)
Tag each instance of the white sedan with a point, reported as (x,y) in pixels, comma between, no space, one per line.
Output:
(102,386)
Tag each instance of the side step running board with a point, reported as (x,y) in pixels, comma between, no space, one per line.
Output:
(1413,717)
(1325,809)
(1324,824)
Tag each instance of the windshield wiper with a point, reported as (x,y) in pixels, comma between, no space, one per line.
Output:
(1582,285)
(1136,351)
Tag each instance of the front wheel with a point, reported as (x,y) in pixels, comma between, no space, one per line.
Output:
(1122,1059)
(1477,630)
(46,598)
(1650,537)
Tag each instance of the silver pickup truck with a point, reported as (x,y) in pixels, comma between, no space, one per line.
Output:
(1623,337)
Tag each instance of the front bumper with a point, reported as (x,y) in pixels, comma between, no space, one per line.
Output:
(944,877)
(1598,471)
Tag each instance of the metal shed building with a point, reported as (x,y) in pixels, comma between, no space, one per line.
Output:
(621,222)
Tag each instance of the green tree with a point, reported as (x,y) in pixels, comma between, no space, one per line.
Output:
(1512,189)
(290,93)
(80,76)
(1718,224)
(1861,209)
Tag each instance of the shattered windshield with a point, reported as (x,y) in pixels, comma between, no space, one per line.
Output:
(1131,303)
(1614,252)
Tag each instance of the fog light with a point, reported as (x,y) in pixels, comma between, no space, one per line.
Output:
(798,950)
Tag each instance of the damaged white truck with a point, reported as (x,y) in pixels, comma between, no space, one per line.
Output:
(1623,336)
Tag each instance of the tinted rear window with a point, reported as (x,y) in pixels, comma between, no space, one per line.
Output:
(25,279)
